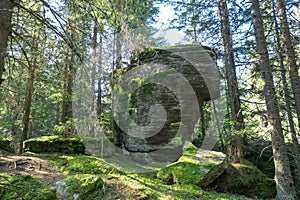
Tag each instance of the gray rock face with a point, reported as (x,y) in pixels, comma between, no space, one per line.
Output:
(159,96)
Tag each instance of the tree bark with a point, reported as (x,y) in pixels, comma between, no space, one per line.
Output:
(287,97)
(99,94)
(67,113)
(236,146)
(27,106)
(290,54)
(6,9)
(234,94)
(283,178)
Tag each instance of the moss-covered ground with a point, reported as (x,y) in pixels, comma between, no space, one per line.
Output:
(120,183)
(90,177)
(16,186)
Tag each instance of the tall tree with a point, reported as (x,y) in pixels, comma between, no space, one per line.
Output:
(283,178)
(290,54)
(234,94)
(6,9)
(286,95)
(28,101)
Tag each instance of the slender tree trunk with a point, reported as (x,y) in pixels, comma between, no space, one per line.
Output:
(283,178)
(287,97)
(6,9)
(69,74)
(118,50)
(99,94)
(236,146)
(27,106)
(290,54)
(93,73)
(234,94)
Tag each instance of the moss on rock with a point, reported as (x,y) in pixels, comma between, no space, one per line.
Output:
(16,186)
(193,166)
(245,179)
(54,144)
(181,172)
(84,186)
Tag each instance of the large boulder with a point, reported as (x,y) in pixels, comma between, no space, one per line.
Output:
(195,166)
(80,187)
(164,87)
(244,179)
(54,144)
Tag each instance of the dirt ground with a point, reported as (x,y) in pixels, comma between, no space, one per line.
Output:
(38,168)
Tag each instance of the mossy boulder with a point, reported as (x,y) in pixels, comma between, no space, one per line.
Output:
(16,186)
(194,166)
(244,179)
(178,79)
(5,145)
(81,187)
(54,144)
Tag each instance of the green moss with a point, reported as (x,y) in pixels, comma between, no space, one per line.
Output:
(81,164)
(16,186)
(86,186)
(209,165)
(184,171)
(54,144)
(125,185)
(189,150)
(264,187)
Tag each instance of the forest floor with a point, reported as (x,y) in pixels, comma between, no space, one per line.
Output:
(38,168)
(117,184)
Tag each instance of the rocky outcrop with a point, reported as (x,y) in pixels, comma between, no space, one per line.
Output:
(159,95)
(244,179)
(211,170)
(54,144)
(196,166)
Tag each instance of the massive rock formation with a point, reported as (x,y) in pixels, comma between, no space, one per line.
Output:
(157,98)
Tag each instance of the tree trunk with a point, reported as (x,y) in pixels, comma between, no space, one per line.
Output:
(236,146)
(99,94)
(283,178)
(69,74)
(290,54)
(287,97)
(6,9)
(27,106)
(234,93)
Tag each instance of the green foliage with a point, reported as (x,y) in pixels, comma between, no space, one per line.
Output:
(64,129)
(5,144)
(16,186)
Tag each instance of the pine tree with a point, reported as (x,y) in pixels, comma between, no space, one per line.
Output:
(6,10)
(283,178)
